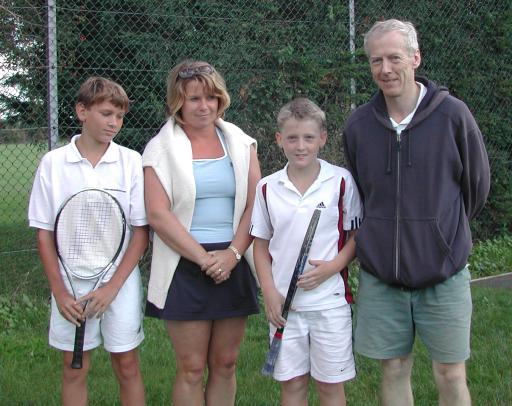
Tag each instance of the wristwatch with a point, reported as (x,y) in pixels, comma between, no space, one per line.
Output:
(236,252)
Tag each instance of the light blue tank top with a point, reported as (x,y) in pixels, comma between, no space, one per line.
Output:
(212,220)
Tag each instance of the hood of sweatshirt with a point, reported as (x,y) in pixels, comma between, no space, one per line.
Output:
(434,96)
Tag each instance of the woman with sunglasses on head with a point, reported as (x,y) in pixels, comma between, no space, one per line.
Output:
(200,176)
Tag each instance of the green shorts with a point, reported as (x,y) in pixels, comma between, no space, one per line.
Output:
(388,317)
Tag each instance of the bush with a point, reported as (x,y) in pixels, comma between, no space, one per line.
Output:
(491,257)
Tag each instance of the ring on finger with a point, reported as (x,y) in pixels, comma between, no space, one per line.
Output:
(220,271)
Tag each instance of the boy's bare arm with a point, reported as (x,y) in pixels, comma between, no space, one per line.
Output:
(273,300)
(242,238)
(66,303)
(325,269)
(101,298)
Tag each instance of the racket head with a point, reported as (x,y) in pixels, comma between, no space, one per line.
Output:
(89,233)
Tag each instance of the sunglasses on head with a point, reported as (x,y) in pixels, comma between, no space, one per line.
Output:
(186,73)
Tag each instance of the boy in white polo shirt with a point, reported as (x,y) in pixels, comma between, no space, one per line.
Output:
(93,160)
(317,340)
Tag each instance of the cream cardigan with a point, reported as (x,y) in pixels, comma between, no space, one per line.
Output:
(169,153)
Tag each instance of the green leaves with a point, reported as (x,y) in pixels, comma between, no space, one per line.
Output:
(269,52)
(491,257)
(19,312)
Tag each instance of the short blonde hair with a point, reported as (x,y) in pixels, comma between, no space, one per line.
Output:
(97,89)
(213,83)
(405,28)
(301,108)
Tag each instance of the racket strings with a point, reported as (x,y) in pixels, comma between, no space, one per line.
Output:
(89,233)
(91,229)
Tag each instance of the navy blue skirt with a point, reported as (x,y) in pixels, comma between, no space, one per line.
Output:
(194,296)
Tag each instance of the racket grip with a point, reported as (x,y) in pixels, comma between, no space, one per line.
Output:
(78,351)
(273,352)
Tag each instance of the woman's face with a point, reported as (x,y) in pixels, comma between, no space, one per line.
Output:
(199,109)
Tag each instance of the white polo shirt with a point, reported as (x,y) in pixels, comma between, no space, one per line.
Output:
(281,215)
(64,172)
(399,127)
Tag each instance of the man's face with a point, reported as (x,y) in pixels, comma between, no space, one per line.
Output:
(391,64)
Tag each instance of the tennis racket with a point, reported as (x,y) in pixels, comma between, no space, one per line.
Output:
(273,352)
(89,233)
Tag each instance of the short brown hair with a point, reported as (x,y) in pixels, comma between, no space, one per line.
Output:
(213,83)
(97,89)
(301,109)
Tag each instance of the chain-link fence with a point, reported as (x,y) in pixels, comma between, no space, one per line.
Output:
(268,51)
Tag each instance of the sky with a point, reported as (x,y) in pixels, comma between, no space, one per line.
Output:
(6,90)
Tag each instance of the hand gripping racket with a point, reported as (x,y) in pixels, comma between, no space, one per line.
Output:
(89,233)
(273,352)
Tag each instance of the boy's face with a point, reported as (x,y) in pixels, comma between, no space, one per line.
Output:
(100,122)
(301,140)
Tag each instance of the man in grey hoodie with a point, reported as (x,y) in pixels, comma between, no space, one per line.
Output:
(421,166)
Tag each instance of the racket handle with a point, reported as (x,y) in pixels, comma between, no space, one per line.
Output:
(273,352)
(78,351)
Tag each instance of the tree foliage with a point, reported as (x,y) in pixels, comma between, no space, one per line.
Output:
(269,52)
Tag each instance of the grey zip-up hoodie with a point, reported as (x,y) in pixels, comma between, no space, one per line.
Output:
(419,192)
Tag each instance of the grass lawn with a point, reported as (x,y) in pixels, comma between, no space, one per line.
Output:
(30,370)
(18,164)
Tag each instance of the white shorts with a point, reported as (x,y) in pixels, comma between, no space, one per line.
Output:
(120,329)
(319,343)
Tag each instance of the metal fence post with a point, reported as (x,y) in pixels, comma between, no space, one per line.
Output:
(352,36)
(51,56)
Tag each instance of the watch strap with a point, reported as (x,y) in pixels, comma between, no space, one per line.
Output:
(236,252)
